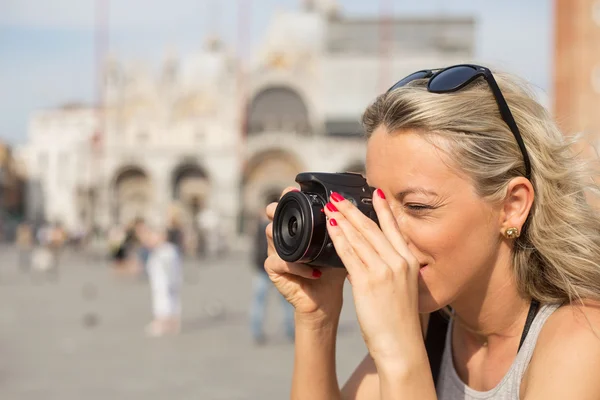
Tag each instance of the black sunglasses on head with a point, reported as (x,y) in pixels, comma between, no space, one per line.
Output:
(456,77)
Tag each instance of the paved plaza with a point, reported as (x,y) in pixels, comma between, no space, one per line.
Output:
(81,337)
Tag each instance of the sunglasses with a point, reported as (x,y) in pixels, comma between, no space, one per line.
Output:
(456,77)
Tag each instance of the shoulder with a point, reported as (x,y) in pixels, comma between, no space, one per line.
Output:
(566,359)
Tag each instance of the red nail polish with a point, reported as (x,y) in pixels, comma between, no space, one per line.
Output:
(336,196)
(380,193)
(295,190)
(332,222)
(316,273)
(331,207)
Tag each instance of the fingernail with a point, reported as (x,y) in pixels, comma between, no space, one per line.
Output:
(331,207)
(316,273)
(336,196)
(295,190)
(332,222)
(380,193)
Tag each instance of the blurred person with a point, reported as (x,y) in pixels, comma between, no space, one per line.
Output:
(164,273)
(138,250)
(209,227)
(116,244)
(262,286)
(131,245)
(127,253)
(25,243)
(175,234)
(481,208)
(57,238)
(42,233)
(41,260)
(80,237)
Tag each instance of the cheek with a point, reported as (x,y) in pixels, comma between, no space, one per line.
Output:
(455,244)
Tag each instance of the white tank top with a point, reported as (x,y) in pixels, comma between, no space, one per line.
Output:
(451,387)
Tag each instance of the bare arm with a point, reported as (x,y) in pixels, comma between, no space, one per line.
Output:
(566,358)
(364,383)
(314,362)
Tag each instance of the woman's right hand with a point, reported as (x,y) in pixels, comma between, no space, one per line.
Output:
(316,294)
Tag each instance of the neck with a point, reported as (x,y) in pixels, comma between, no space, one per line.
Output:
(491,310)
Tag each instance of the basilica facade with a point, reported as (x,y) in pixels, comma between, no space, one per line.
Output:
(204,135)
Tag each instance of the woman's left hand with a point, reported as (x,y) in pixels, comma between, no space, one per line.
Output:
(384,276)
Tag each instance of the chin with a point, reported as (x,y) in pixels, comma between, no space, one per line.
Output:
(429,300)
(428,305)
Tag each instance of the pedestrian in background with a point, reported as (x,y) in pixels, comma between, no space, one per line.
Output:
(24,241)
(164,274)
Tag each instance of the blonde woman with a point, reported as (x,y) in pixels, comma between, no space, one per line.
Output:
(482,210)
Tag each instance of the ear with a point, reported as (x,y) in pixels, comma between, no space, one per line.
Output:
(516,204)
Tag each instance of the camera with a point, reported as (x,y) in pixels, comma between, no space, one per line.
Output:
(300,225)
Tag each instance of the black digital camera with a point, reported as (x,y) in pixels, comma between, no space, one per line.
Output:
(300,226)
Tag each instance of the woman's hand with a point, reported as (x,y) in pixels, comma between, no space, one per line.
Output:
(384,276)
(316,294)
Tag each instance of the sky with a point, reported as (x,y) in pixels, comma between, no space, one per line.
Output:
(47,53)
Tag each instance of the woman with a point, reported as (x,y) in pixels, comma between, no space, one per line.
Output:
(480,210)
(164,273)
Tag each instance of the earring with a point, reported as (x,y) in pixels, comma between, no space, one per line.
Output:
(512,233)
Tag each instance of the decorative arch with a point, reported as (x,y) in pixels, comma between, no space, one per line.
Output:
(131,190)
(190,186)
(278,108)
(265,176)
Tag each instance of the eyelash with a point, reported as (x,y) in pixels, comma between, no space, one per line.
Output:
(418,208)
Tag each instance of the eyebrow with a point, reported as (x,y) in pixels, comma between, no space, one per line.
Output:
(414,190)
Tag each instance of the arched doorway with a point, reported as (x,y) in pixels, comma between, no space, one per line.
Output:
(278,109)
(132,195)
(190,187)
(265,176)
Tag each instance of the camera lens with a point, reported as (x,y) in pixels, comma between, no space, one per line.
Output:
(290,229)
(293,226)
(299,227)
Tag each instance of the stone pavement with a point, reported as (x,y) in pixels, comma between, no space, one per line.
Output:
(81,337)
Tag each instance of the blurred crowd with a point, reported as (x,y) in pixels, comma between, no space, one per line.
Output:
(154,253)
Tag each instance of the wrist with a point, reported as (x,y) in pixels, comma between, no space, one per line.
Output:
(408,378)
(401,361)
(316,321)
(398,349)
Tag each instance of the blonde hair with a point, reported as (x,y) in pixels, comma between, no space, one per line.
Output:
(556,258)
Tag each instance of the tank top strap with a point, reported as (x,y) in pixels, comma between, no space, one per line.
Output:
(526,351)
(451,387)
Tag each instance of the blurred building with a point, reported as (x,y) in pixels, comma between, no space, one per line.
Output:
(12,192)
(577,66)
(183,135)
(58,155)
